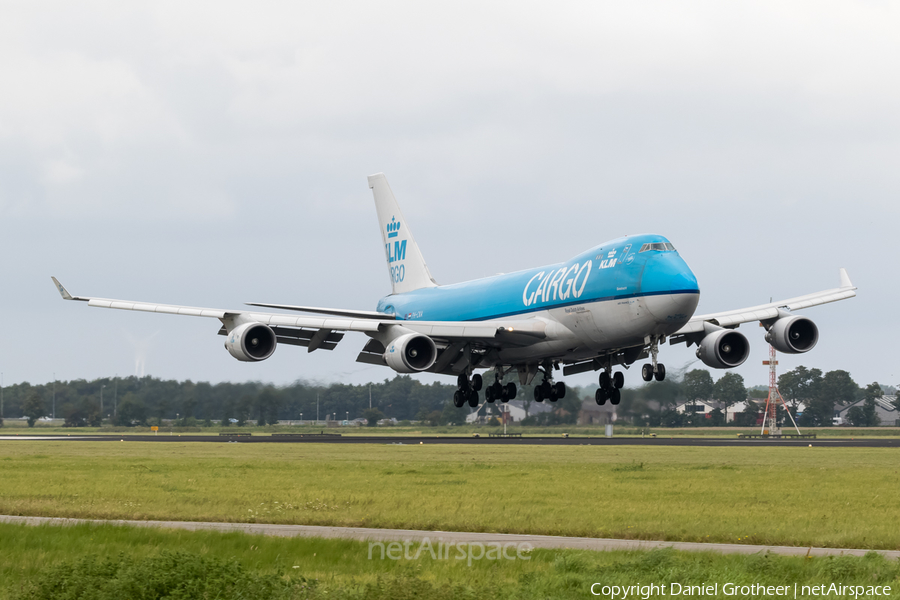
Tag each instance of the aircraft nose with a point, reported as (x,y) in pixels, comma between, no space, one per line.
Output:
(668,272)
(677,292)
(683,280)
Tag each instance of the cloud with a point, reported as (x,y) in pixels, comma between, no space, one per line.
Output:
(217,152)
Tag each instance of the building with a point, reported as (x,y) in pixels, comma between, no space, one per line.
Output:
(593,414)
(514,409)
(884,408)
(705,407)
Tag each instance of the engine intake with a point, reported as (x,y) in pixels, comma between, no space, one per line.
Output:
(410,353)
(793,335)
(723,349)
(251,342)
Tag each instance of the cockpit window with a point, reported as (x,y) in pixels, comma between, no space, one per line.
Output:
(658,246)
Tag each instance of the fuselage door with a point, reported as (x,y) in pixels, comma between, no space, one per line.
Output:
(628,273)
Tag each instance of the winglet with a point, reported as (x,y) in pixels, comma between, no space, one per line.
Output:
(64,292)
(845,279)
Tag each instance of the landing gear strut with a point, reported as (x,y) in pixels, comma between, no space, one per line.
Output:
(548,390)
(498,391)
(610,386)
(656,369)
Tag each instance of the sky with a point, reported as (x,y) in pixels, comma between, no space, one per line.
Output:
(216,153)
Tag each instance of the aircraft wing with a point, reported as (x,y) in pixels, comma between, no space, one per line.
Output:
(733,318)
(341,312)
(514,332)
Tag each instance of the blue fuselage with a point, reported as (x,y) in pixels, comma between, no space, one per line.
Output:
(632,267)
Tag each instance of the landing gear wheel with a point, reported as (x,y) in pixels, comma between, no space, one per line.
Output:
(509,392)
(600,396)
(553,396)
(618,380)
(604,380)
(458,399)
(538,396)
(546,390)
(473,399)
(615,396)
(660,372)
(647,372)
(560,390)
(496,391)
(477,382)
(489,393)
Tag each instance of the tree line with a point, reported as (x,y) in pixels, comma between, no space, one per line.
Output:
(147,400)
(128,401)
(654,403)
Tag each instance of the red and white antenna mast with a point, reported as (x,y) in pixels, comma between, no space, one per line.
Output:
(769,421)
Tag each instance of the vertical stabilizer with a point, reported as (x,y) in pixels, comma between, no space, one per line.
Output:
(406,267)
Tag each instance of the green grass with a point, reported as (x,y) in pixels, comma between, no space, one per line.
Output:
(794,496)
(47,562)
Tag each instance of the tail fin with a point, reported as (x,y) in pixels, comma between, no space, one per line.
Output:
(406,266)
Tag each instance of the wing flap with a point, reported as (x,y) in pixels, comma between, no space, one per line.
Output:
(372,353)
(303,337)
(338,312)
(534,329)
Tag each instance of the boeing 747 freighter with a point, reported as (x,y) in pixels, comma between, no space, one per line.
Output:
(610,306)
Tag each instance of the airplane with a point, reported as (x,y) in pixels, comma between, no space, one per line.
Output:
(609,306)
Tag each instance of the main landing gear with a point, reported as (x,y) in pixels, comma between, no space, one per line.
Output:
(498,391)
(655,370)
(610,387)
(467,390)
(548,390)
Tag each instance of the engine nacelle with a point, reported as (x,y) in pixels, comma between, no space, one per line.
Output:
(793,335)
(251,342)
(410,353)
(723,349)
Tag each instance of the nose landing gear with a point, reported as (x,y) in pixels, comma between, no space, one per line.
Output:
(655,370)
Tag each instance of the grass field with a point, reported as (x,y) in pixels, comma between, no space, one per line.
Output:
(46,562)
(794,496)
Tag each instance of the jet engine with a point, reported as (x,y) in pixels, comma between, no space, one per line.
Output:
(793,335)
(723,349)
(410,353)
(251,342)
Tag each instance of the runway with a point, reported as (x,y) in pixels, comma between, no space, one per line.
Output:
(492,441)
(456,538)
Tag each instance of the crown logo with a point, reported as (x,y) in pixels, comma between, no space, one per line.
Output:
(393,228)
